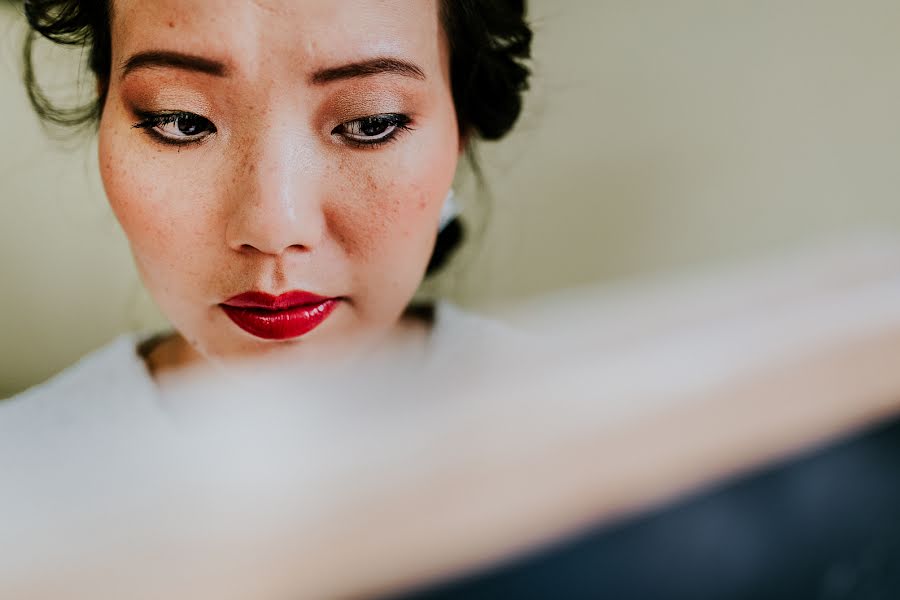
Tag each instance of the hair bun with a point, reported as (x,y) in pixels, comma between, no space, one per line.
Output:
(490,45)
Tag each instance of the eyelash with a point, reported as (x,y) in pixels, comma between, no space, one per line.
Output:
(399,122)
(150,121)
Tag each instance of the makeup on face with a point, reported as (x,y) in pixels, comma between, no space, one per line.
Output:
(240,165)
(283,317)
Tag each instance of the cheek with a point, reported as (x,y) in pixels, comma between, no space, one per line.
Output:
(394,202)
(142,192)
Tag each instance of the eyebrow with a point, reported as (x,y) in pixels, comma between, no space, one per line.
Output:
(200,64)
(368,68)
(174,60)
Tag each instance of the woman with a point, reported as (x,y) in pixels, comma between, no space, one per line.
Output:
(282,169)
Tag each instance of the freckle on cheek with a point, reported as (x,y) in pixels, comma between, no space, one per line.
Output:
(371,183)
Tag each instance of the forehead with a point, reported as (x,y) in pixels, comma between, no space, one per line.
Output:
(296,34)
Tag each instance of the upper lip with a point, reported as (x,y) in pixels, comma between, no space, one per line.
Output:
(268,301)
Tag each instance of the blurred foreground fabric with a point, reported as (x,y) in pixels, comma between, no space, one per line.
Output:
(824,525)
(292,482)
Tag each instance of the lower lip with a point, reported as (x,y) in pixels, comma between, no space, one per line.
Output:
(280,324)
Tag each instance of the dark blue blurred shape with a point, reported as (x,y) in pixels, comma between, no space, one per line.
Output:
(825,525)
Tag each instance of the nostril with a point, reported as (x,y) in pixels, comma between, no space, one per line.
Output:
(294,248)
(251,249)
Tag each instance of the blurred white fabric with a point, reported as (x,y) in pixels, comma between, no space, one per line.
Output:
(323,483)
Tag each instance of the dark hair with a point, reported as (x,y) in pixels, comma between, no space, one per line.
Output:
(490,42)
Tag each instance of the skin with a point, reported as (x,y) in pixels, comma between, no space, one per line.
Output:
(275,200)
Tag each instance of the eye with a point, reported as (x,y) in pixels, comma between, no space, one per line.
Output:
(374,130)
(177,127)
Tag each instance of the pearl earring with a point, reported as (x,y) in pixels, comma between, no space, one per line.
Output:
(449,211)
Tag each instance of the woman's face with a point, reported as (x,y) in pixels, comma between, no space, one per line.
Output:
(298,150)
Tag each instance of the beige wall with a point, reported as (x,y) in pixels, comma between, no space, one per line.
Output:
(660,135)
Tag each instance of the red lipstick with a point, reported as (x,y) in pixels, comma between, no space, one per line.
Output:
(281,317)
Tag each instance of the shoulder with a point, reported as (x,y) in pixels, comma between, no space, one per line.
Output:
(105,384)
(88,434)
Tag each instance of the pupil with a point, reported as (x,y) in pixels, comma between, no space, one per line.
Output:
(372,127)
(189,125)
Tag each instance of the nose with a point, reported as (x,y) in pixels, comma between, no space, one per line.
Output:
(276,204)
